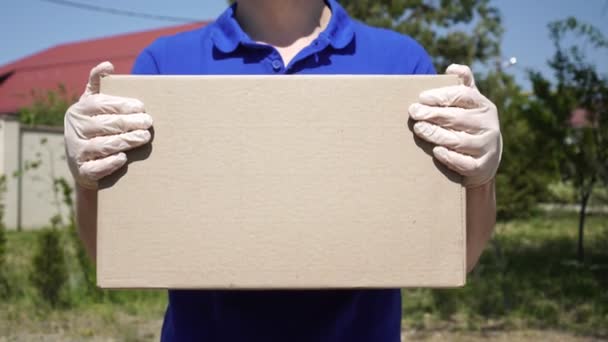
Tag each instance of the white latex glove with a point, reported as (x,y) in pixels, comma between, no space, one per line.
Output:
(464,125)
(99,128)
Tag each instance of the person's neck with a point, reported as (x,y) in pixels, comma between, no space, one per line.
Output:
(288,25)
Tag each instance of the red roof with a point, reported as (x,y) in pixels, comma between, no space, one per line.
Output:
(69,65)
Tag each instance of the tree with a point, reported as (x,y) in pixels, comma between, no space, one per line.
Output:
(579,144)
(452,31)
(525,172)
(47,109)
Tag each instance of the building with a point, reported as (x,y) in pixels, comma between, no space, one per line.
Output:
(31,158)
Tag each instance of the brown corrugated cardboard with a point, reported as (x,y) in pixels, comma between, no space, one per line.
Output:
(280,182)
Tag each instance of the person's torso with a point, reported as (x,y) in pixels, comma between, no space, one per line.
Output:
(345,47)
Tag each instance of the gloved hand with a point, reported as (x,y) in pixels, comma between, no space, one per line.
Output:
(99,128)
(464,125)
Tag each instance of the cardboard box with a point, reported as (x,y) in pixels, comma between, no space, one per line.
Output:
(280,182)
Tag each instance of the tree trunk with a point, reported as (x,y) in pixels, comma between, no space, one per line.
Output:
(581,225)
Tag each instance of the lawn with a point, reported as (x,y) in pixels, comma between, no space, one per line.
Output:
(527,287)
(528,278)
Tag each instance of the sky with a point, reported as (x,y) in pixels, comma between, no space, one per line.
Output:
(29,26)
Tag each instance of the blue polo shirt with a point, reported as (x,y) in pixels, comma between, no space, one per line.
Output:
(346,46)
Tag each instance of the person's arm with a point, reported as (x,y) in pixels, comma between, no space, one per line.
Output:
(463,124)
(86,219)
(98,130)
(481,218)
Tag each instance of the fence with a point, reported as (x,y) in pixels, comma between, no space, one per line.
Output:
(32,158)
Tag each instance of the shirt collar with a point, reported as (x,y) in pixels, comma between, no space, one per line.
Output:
(228,34)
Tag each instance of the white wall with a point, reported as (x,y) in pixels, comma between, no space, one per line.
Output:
(39,200)
(31,201)
(9,145)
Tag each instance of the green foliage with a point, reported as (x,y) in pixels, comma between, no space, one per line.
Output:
(74,251)
(525,172)
(452,31)
(579,149)
(528,278)
(4,285)
(47,109)
(84,262)
(565,193)
(49,272)
(562,193)
(79,316)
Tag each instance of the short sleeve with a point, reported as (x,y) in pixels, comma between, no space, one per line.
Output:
(424,65)
(415,60)
(145,64)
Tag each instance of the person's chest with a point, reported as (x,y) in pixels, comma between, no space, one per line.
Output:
(316,58)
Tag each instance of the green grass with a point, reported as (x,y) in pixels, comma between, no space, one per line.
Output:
(112,313)
(528,278)
(566,193)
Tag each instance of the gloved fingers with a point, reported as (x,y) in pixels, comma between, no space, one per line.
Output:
(108,104)
(112,124)
(456,118)
(464,72)
(101,70)
(100,147)
(453,96)
(461,163)
(476,171)
(458,141)
(99,168)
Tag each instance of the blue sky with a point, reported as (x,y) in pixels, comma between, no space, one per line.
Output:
(28,26)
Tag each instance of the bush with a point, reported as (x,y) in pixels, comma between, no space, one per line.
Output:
(4,286)
(49,274)
(86,266)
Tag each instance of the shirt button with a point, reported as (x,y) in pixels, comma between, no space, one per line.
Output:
(276,65)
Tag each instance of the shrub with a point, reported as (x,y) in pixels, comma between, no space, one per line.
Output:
(4,286)
(49,272)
